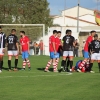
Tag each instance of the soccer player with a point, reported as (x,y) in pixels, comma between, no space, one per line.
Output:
(58,46)
(68,44)
(95,50)
(13,49)
(68,60)
(86,48)
(24,49)
(85,67)
(2,47)
(53,52)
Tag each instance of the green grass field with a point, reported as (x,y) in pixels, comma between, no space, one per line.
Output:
(39,85)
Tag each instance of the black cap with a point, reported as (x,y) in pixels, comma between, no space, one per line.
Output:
(96,35)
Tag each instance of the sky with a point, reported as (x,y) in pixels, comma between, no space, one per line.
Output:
(56,6)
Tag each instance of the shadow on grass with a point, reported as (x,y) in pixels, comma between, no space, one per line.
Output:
(5,68)
(42,69)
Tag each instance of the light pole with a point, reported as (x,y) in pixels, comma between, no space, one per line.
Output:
(97,4)
(64,10)
(78,16)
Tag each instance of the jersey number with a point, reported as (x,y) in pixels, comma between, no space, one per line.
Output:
(97,45)
(10,40)
(67,41)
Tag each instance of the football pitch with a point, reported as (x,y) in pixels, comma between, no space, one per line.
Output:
(39,85)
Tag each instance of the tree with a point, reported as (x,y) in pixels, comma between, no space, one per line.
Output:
(25,12)
(5,11)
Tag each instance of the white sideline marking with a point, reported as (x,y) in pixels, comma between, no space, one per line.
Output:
(35,76)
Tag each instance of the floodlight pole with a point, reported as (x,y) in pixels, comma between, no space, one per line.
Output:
(78,16)
(97,4)
(64,10)
(43,39)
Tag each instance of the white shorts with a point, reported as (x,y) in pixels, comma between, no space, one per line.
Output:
(68,53)
(13,53)
(1,51)
(95,56)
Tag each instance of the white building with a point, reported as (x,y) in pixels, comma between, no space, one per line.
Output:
(73,11)
(68,20)
(69,17)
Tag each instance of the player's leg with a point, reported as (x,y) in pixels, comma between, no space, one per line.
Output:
(99,65)
(1,59)
(16,59)
(71,60)
(24,61)
(48,65)
(53,57)
(98,58)
(57,55)
(49,62)
(87,65)
(9,62)
(28,63)
(27,60)
(10,54)
(63,62)
(2,62)
(77,66)
(93,58)
(86,56)
(54,63)
(67,65)
(57,61)
(2,54)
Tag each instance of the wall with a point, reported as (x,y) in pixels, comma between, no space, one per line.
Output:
(89,18)
(73,11)
(72,22)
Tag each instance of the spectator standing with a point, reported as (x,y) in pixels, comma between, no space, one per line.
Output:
(76,48)
(31,48)
(83,47)
(37,48)
(41,47)
(34,48)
